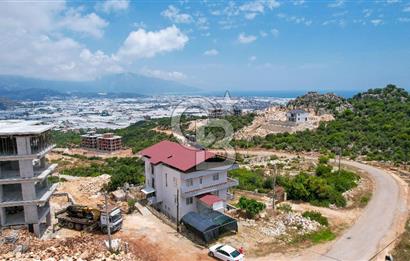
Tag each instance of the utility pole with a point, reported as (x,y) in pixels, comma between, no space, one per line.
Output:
(107,216)
(177,210)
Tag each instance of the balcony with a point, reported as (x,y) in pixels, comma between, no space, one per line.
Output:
(13,196)
(35,155)
(13,176)
(198,190)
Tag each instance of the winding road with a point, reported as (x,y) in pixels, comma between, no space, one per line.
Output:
(378,226)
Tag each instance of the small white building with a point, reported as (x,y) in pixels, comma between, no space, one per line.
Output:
(180,179)
(297,116)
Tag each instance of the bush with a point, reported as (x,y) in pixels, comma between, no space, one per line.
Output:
(323,160)
(251,206)
(321,190)
(286,208)
(316,216)
(248,180)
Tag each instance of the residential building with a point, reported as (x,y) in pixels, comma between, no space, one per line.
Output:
(180,179)
(109,142)
(104,142)
(24,188)
(297,116)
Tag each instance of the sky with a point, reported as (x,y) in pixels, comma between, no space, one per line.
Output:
(259,45)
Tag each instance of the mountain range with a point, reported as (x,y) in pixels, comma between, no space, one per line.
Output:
(124,84)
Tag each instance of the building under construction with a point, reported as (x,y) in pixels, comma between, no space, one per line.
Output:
(103,142)
(24,188)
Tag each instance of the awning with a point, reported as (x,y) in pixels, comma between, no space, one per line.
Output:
(209,199)
(148,190)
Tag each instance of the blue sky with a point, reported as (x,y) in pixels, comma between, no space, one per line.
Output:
(237,45)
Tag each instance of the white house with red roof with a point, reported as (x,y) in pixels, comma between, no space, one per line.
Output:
(181,179)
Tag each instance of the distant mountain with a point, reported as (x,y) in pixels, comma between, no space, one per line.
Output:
(12,86)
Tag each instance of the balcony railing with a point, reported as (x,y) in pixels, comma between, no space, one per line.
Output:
(13,176)
(194,191)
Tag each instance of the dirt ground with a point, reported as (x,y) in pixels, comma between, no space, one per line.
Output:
(95,153)
(274,120)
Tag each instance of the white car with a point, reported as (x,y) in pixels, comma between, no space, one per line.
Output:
(225,253)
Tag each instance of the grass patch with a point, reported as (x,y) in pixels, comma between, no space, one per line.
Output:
(401,251)
(321,236)
(316,216)
(364,200)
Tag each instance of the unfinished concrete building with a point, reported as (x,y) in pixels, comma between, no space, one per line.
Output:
(104,142)
(89,140)
(109,142)
(24,188)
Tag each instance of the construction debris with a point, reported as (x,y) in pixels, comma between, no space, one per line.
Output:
(85,247)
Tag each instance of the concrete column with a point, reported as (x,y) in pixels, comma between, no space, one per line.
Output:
(3,216)
(1,193)
(48,219)
(26,168)
(37,230)
(43,162)
(28,191)
(31,214)
(23,145)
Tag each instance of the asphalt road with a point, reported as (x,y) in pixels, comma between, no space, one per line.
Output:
(372,232)
(368,235)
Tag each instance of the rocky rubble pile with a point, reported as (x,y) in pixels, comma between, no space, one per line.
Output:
(289,222)
(94,185)
(89,247)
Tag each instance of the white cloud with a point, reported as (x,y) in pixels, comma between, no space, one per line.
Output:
(367,12)
(295,19)
(36,46)
(174,14)
(90,24)
(406,9)
(252,58)
(250,16)
(299,2)
(337,3)
(211,52)
(263,33)
(252,9)
(376,22)
(404,19)
(202,23)
(108,6)
(164,75)
(246,39)
(392,1)
(275,32)
(144,44)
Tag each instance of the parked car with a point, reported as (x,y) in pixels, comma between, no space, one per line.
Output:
(225,253)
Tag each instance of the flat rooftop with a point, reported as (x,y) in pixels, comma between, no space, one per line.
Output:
(20,127)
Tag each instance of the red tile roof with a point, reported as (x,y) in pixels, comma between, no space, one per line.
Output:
(176,155)
(209,199)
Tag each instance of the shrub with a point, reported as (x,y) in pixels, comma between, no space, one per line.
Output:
(316,216)
(323,160)
(286,208)
(251,206)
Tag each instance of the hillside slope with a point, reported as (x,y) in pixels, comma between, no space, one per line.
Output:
(377,127)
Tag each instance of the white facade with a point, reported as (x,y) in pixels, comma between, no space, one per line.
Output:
(173,187)
(297,116)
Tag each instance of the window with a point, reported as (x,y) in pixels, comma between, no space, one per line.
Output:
(152,169)
(215,176)
(166,179)
(200,180)
(189,182)
(189,201)
(223,252)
